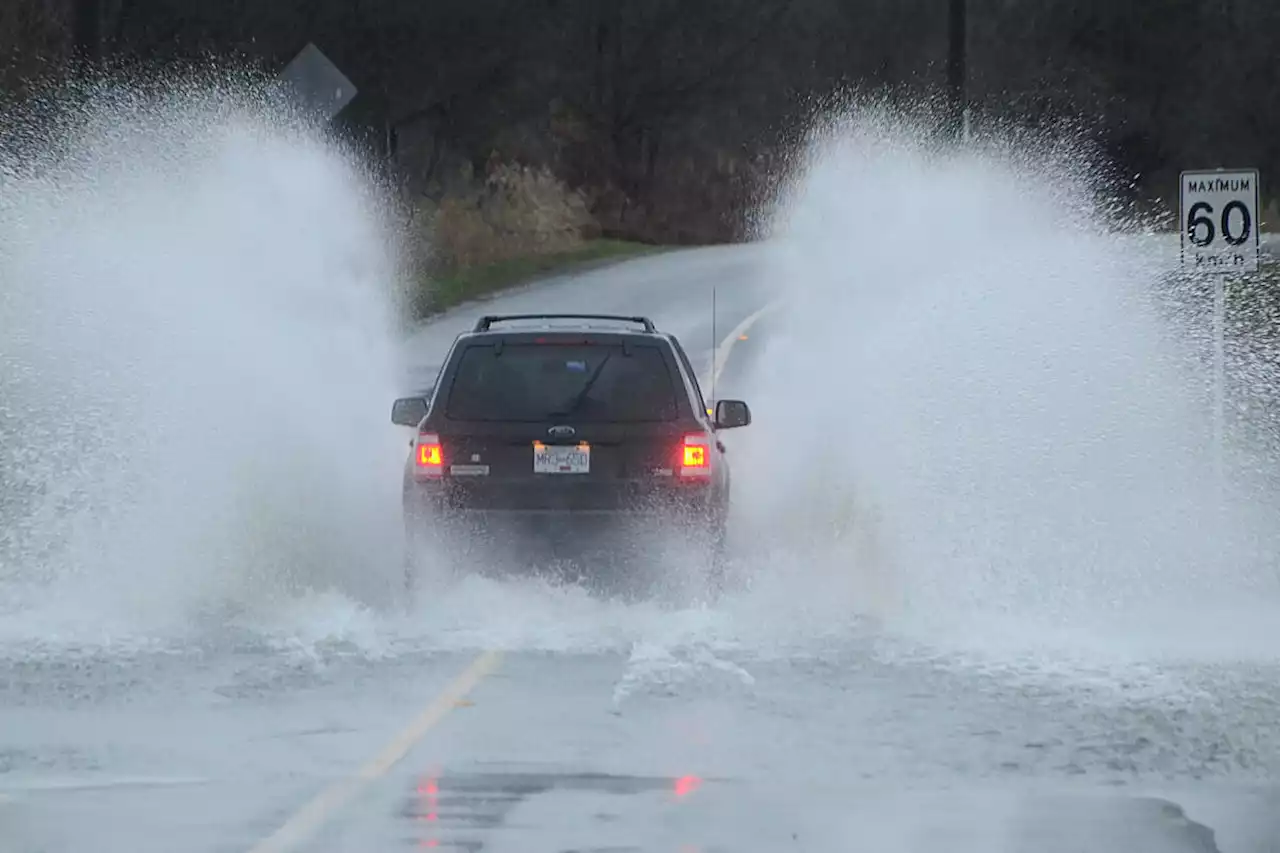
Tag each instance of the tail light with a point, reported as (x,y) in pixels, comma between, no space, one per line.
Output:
(429,455)
(695,456)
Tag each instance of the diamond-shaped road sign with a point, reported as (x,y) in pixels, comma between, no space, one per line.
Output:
(317,84)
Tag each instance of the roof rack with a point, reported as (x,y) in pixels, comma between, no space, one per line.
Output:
(485,322)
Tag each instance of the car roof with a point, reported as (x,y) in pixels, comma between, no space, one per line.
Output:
(585,335)
(601,329)
(486,322)
(562,328)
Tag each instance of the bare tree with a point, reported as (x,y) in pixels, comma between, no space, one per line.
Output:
(35,39)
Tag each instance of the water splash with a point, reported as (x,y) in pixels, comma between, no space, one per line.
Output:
(197,356)
(977,357)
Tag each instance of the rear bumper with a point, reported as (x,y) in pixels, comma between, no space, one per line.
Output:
(626,498)
(431,512)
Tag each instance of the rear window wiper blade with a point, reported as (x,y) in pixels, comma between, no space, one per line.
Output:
(586,389)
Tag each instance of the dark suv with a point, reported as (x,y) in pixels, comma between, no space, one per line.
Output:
(549,431)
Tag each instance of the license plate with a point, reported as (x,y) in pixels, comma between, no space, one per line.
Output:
(555,459)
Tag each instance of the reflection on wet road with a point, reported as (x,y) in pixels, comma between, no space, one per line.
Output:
(712,751)
(475,812)
(449,808)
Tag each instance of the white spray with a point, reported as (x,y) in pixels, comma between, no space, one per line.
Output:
(197,358)
(977,367)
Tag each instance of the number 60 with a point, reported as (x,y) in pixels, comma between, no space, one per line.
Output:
(1198,217)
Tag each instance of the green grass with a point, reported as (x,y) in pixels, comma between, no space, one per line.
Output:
(451,288)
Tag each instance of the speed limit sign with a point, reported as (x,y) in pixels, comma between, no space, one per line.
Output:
(1219,220)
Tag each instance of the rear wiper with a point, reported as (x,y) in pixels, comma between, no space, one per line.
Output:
(586,389)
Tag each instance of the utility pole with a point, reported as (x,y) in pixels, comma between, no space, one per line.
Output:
(87,31)
(957,63)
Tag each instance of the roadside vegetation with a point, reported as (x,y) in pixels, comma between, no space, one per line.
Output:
(523,133)
(514,224)
(439,291)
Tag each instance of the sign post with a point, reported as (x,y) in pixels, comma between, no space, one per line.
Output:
(957,65)
(1218,215)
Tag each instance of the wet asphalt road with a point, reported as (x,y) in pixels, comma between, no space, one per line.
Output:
(594,727)
(684,749)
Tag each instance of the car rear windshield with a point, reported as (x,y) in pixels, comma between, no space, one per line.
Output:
(544,382)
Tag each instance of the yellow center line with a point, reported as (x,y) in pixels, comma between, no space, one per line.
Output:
(313,815)
(720,355)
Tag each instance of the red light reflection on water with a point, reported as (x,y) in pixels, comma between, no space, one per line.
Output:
(687,785)
(428,795)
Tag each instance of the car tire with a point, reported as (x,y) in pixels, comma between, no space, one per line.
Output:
(721,576)
(412,566)
(427,561)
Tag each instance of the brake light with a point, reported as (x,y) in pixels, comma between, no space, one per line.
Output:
(695,456)
(430,456)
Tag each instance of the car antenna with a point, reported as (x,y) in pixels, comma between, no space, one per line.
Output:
(715,347)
